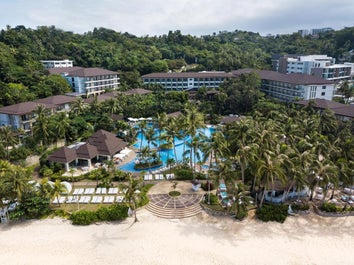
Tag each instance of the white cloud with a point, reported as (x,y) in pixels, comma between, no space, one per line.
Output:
(196,17)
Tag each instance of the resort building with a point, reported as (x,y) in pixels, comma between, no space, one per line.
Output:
(21,116)
(292,87)
(57,63)
(342,112)
(101,146)
(187,80)
(88,81)
(321,66)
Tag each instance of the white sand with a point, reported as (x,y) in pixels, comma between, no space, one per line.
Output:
(198,240)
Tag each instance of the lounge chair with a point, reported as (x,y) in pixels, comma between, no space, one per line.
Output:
(98,190)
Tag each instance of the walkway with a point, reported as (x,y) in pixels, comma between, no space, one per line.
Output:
(164,206)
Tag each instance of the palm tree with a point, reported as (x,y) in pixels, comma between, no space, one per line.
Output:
(132,195)
(8,138)
(269,170)
(41,128)
(195,120)
(142,125)
(244,155)
(78,106)
(240,198)
(62,125)
(58,188)
(112,106)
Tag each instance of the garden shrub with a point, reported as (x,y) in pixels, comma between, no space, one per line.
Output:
(83,217)
(300,207)
(183,174)
(114,212)
(213,199)
(329,207)
(272,212)
(241,214)
(143,194)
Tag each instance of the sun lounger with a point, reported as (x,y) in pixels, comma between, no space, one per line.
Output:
(89,191)
(108,199)
(103,190)
(96,199)
(98,190)
(348,191)
(170,176)
(85,199)
(119,199)
(112,190)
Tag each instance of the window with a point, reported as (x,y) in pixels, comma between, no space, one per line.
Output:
(323,87)
(323,93)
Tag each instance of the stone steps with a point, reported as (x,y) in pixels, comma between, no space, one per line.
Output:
(174,213)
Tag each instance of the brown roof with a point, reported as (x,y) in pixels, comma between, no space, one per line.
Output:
(174,114)
(336,107)
(61,70)
(100,98)
(117,117)
(24,108)
(137,91)
(107,143)
(229,119)
(56,100)
(63,155)
(294,78)
(189,75)
(86,151)
(81,71)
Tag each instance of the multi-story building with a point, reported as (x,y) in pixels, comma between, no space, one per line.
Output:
(57,63)
(292,87)
(318,65)
(186,80)
(22,116)
(88,81)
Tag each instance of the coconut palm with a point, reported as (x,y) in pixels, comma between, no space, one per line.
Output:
(58,189)
(62,125)
(142,125)
(132,196)
(268,171)
(195,120)
(240,199)
(8,138)
(79,106)
(112,106)
(42,129)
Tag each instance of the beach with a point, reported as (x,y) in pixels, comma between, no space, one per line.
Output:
(202,239)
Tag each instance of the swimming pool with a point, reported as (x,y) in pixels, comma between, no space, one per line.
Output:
(164,154)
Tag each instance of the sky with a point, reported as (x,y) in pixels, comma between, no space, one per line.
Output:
(195,17)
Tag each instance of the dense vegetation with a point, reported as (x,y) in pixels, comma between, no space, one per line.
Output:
(22,77)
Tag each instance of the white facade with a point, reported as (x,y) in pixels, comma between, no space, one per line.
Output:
(57,63)
(93,84)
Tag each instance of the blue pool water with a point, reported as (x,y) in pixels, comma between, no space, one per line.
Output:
(164,154)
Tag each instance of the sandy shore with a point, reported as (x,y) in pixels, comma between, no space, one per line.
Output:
(198,240)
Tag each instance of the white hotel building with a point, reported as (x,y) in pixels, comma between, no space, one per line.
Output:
(187,80)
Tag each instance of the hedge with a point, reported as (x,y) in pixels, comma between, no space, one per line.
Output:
(114,212)
(272,212)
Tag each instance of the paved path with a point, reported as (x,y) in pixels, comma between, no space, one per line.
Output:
(163,205)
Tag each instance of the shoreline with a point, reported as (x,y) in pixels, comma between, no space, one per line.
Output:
(202,239)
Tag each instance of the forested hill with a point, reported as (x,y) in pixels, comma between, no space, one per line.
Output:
(22,48)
